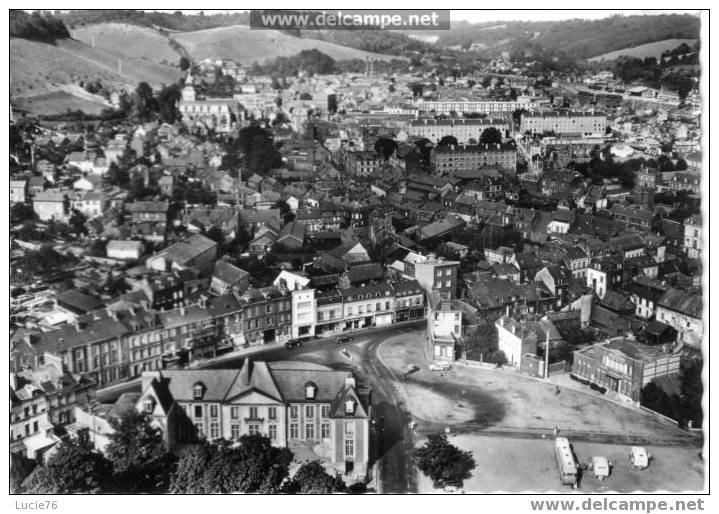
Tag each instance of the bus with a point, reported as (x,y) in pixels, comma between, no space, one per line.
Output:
(568,471)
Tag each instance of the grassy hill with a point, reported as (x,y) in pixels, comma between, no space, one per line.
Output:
(577,38)
(648,50)
(247,46)
(44,74)
(130,40)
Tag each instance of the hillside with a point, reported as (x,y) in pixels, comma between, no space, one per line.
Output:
(576,38)
(247,46)
(648,50)
(44,72)
(130,40)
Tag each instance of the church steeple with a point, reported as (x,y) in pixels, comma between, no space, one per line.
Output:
(188,92)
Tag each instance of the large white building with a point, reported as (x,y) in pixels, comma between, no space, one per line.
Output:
(585,124)
(462,129)
(466,106)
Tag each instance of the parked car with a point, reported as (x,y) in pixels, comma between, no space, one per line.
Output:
(639,457)
(292,343)
(411,368)
(600,467)
(440,366)
(343,339)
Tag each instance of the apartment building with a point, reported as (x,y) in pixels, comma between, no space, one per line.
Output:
(458,158)
(584,124)
(465,130)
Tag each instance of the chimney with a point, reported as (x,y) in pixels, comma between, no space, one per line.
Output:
(514,328)
(112,314)
(182,311)
(246,369)
(350,381)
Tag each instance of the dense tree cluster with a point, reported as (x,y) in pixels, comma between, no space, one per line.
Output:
(37,26)
(253,466)
(444,463)
(312,62)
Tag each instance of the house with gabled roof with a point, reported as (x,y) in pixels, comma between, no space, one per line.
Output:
(296,405)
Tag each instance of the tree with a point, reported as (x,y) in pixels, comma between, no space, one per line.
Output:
(385,147)
(692,391)
(21,212)
(216,235)
(77,221)
(491,136)
(312,478)
(444,463)
(417,89)
(448,141)
(189,475)
(167,101)
(262,467)
(145,101)
(184,63)
(258,148)
(74,468)
(138,454)
(253,466)
(305,96)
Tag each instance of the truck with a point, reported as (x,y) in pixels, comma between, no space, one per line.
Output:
(567,464)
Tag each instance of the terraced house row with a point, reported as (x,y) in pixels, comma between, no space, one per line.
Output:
(125,339)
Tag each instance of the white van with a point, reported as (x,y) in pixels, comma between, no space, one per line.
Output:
(600,467)
(639,457)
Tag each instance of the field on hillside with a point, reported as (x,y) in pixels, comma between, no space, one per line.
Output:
(43,75)
(58,102)
(247,46)
(130,40)
(649,50)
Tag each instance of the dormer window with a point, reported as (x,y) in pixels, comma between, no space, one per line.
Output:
(310,391)
(350,407)
(148,405)
(198,391)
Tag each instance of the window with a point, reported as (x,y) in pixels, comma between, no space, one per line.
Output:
(309,411)
(310,431)
(325,411)
(213,411)
(200,429)
(272,432)
(198,411)
(350,407)
(148,405)
(349,427)
(253,412)
(310,390)
(294,431)
(197,391)
(294,412)
(235,432)
(34,426)
(254,429)
(349,448)
(235,412)
(272,413)
(214,430)
(325,430)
